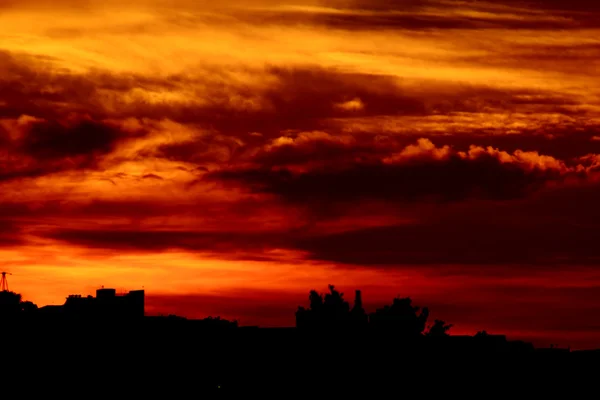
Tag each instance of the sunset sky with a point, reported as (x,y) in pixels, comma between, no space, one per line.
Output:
(228,156)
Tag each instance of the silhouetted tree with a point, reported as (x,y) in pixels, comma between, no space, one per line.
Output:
(329,310)
(439,329)
(334,305)
(401,317)
(12,305)
(316,301)
(10,302)
(358,315)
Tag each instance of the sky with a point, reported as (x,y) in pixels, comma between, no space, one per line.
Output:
(230,156)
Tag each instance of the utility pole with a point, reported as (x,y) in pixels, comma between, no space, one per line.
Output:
(4,282)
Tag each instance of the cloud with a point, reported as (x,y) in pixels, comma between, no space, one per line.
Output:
(444,132)
(430,16)
(240,100)
(10,233)
(351,105)
(420,172)
(525,232)
(562,144)
(55,141)
(37,147)
(224,243)
(316,148)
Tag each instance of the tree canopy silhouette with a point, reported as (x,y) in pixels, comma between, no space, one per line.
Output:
(11,303)
(439,329)
(401,317)
(332,310)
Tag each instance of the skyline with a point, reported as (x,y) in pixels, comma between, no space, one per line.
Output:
(324,311)
(237,155)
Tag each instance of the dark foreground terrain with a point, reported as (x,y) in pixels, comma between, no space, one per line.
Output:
(89,361)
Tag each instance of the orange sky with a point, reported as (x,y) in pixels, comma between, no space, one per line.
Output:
(230,156)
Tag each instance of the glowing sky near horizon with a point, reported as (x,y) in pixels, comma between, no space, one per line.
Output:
(230,156)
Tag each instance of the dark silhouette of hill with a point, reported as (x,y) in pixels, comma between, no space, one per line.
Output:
(105,344)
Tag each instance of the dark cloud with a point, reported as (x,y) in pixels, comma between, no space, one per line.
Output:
(37,86)
(304,99)
(435,15)
(421,179)
(31,85)
(299,99)
(418,22)
(466,242)
(295,99)
(9,173)
(10,234)
(574,6)
(53,140)
(197,241)
(44,147)
(317,147)
(567,144)
(52,216)
(554,227)
(207,148)
(41,208)
(152,176)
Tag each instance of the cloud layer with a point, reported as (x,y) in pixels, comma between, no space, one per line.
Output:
(254,150)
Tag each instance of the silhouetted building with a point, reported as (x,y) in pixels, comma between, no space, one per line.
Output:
(106,305)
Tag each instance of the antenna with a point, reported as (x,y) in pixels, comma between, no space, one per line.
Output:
(4,281)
